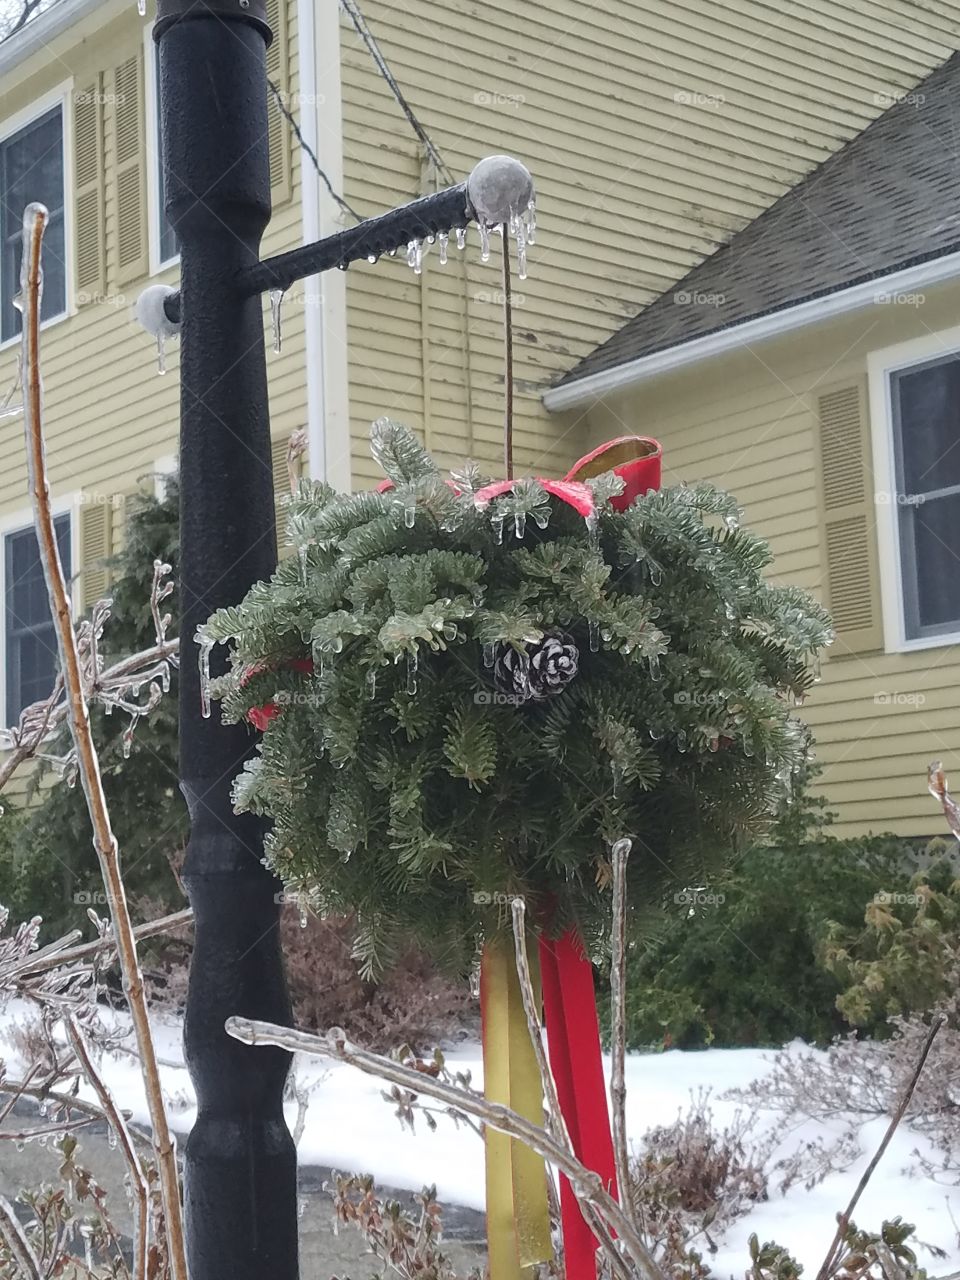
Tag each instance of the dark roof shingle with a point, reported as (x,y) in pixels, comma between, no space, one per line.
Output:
(889,198)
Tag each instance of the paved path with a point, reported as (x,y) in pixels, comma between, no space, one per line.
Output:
(324,1253)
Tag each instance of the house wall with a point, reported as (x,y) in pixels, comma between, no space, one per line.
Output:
(109,416)
(653,132)
(749,422)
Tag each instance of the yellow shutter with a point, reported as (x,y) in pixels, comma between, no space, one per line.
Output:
(130,184)
(278,71)
(848,521)
(88,196)
(95,547)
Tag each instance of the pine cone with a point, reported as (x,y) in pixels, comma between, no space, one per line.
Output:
(552,665)
(543,671)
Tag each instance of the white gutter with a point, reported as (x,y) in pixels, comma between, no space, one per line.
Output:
(588,389)
(310,214)
(39,31)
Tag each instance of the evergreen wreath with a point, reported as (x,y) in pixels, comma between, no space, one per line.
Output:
(460,705)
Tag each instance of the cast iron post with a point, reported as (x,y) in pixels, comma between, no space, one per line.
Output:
(240,1161)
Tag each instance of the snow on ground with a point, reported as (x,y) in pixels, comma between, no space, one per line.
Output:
(351,1128)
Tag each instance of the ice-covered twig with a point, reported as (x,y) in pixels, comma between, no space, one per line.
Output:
(937,786)
(555,1121)
(17,1242)
(138,1178)
(843,1219)
(587,1184)
(31,276)
(618,1047)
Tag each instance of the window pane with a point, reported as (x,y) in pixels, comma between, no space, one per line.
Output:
(927,409)
(31,645)
(936,550)
(31,168)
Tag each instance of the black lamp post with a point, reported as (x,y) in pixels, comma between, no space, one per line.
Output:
(240,1162)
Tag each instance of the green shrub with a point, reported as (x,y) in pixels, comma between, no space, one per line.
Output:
(48,866)
(741,962)
(905,957)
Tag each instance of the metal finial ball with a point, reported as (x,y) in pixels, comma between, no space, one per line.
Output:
(499,188)
(150,312)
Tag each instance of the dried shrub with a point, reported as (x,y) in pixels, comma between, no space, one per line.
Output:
(412,1004)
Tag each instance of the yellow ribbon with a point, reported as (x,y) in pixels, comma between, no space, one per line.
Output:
(518,1219)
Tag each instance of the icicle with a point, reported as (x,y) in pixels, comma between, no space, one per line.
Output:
(161,354)
(371,258)
(817,669)
(489,655)
(461,237)
(142,8)
(484,242)
(276,302)
(412,664)
(520,523)
(112,1138)
(303,918)
(442,240)
(617,776)
(592,521)
(654,664)
(532,221)
(475,971)
(521,236)
(594,631)
(302,556)
(392,252)
(415,256)
(682,743)
(656,574)
(372,683)
(410,515)
(205,646)
(126,741)
(498,523)
(732,522)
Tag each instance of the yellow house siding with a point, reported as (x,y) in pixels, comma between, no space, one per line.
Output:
(652,131)
(747,421)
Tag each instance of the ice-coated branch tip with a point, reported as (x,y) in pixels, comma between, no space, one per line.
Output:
(149,310)
(498,189)
(33,211)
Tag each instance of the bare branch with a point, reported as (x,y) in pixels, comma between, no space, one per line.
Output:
(618,968)
(34,222)
(937,786)
(587,1184)
(17,1242)
(138,1179)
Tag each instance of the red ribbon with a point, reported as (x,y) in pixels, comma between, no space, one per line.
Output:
(570,1009)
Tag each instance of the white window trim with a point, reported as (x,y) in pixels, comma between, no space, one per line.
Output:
(151,98)
(880,365)
(61,96)
(16,522)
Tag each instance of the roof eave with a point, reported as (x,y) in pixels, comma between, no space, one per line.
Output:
(39,31)
(588,389)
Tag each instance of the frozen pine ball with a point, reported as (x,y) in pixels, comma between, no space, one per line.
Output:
(499,188)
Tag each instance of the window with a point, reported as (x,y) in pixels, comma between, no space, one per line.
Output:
(31,168)
(925,408)
(29,638)
(166,240)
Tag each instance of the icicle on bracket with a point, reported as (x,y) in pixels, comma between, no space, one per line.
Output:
(499,192)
